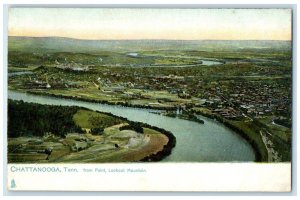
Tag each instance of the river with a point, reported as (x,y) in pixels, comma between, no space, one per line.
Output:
(208,142)
(211,62)
(19,73)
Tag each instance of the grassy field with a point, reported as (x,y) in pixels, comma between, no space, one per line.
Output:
(85,148)
(90,119)
(110,145)
(280,131)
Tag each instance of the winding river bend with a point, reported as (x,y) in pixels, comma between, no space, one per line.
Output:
(208,142)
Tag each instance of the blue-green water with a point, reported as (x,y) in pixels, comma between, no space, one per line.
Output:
(208,142)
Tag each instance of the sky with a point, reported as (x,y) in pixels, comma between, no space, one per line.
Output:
(137,23)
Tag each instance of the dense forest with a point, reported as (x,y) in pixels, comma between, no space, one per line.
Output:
(31,119)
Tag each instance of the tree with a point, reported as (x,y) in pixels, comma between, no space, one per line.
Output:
(26,119)
(97,131)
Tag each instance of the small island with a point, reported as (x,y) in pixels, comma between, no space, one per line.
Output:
(183,115)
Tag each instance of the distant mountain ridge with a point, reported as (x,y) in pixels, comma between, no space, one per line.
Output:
(55,44)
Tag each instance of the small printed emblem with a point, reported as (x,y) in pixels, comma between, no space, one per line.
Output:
(12,183)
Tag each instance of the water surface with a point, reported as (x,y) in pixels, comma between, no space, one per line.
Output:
(208,142)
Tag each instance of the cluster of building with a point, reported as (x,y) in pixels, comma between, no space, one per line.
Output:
(71,66)
(43,82)
(231,100)
(255,99)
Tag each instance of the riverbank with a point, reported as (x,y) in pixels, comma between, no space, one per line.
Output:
(261,154)
(257,144)
(77,98)
(167,148)
(111,144)
(211,142)
(157,155)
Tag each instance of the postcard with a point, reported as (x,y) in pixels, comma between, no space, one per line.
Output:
(149,99)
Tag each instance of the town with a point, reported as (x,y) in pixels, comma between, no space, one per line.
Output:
(250,93)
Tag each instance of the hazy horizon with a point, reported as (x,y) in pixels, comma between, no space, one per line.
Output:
(145,39)
(151,24)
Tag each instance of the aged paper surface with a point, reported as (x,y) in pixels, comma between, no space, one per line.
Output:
(149,99)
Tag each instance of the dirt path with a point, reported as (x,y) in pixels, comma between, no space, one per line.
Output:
(272,154)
